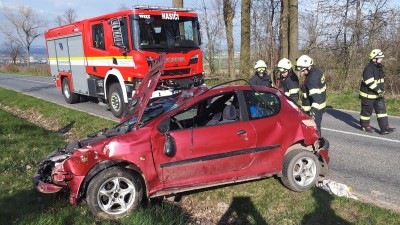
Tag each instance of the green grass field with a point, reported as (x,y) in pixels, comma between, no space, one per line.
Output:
(23,144)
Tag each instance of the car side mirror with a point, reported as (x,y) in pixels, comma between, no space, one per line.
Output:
(169,146)
(163,127)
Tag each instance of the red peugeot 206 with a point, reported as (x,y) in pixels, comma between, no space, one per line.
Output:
(197,138)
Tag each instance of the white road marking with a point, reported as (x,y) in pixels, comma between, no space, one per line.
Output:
(34,81)
(361,135)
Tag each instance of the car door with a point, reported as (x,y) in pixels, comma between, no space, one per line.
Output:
(263,109)
(206,152)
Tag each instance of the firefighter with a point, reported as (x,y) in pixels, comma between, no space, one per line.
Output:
(288,81)
(372,92)
(313,88)
(261,78)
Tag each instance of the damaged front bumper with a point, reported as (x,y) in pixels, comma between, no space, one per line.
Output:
(323,155)
(50,177)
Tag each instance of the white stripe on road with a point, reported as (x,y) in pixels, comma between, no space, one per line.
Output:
(34,81)
(361,135)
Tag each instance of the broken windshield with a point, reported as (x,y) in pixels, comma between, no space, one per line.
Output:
(155,33)
(153,110)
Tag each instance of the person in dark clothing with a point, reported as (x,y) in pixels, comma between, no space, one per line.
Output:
(261,78)
(372,90)
(313,88)
(288,81)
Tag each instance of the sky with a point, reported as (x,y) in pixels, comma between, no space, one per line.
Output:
(50,9)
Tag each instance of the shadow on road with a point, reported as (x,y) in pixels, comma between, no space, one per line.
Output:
(344,117)
(240,211)
(35,89)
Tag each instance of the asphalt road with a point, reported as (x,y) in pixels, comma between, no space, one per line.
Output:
(369,163)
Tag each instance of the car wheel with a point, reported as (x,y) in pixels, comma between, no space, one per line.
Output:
(69,96)
(116,100)
(300,170)
(114,193)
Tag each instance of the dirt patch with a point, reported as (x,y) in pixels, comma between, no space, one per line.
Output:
(39,120)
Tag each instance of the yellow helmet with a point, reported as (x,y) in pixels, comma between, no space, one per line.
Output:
(260,64)
(284,64)
(376,53)
(304,62)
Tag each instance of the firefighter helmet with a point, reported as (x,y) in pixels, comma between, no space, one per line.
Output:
(304,62)
(260,64)
(284,64)
(376,53)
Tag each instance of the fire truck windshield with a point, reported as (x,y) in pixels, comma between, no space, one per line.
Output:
(157,34)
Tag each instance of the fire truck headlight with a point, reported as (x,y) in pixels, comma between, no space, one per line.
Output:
(149,60)
(194,59)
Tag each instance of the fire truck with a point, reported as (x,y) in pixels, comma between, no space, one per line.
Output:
(106,57)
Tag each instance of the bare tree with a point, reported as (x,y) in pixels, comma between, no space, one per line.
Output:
(13,51)
(284,30)
(177,3)
(245,39)
(68,17)
(229,14)
(213,32)
(24,26)
(293,30)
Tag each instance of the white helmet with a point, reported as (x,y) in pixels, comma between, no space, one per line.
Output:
(304,62)
(284,64)
(260,64)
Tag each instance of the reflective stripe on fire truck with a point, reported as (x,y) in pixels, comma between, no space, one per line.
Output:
(122,61)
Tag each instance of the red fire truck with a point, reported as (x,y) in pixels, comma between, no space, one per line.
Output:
(106,57)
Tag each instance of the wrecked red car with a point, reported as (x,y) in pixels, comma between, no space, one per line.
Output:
(197,138)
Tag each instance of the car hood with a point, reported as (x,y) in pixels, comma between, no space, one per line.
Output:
(145,91)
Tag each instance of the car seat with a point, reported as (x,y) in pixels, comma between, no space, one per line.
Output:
(229,114)
(216,118)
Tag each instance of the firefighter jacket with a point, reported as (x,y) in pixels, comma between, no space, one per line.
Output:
(372,84)
(290,85)
(314,91)
(261,81)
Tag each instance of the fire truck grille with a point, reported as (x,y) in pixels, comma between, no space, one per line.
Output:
(176,72)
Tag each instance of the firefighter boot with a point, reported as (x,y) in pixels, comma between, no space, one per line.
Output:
(387,130)
(367,129)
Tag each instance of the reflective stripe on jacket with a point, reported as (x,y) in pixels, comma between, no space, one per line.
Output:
(314,90)
(373,80)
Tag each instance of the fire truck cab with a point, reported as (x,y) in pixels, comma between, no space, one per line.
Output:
(107,57)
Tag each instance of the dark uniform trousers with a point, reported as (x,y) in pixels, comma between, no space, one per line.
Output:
(367,105)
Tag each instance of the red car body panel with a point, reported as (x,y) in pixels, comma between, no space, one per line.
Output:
(205,155)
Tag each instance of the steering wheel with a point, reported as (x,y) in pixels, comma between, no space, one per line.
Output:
(173,119)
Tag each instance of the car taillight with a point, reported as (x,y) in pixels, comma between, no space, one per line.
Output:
(309,123)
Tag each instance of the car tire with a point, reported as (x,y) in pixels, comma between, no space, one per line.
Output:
(114,193)
(70,97)
(116,100)
(300,170)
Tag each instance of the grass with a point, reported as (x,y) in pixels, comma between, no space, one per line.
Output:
(24,144)
(39,70)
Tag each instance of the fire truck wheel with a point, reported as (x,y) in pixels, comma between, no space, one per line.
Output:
(114,193)
(69,96)
(116,100)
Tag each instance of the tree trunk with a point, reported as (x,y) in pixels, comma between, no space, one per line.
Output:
(177,3)
(245,40)
(229,13)
(210,45)
(293,31)
(284,29)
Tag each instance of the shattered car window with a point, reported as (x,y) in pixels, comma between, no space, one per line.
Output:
(153,110)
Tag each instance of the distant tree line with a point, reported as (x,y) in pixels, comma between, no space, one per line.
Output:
(338,34)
